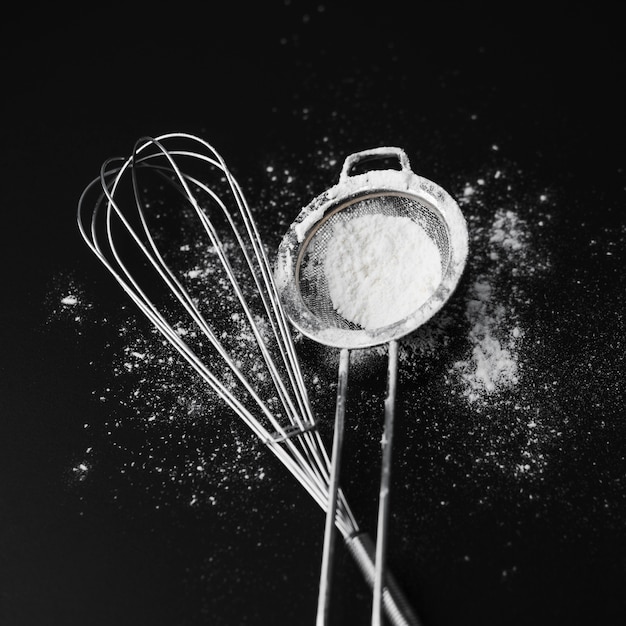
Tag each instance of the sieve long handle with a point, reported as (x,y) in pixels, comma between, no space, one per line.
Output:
(330,533)
(385,480)
(374,153)
(395,604)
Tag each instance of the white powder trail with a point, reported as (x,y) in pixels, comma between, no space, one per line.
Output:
(493,363)
(494,331)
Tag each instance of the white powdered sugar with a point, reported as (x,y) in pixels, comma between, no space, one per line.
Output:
(493,336)
(495,332)
(380,269)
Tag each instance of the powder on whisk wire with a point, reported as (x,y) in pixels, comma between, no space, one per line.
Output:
(380,269)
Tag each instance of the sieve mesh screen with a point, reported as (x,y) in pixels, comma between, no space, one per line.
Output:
(310,275)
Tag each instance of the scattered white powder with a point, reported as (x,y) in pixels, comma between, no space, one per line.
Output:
(493,364)
(69,300)
(507,231)
(494,330)
(191,450)
(66,300)
(380,269)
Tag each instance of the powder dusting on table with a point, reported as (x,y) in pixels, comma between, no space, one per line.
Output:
(67,300)
(380,269)
(470,359)
(494,329)
(191,450)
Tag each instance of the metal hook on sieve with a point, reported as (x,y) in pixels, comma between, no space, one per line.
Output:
(374,154)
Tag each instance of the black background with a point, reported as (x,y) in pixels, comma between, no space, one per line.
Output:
(80,86)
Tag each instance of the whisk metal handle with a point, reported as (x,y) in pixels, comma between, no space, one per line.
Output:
(374,153)
(396,606)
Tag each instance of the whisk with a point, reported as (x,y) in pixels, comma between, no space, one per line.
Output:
(122,215)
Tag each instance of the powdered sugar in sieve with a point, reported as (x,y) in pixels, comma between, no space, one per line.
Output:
(380,269)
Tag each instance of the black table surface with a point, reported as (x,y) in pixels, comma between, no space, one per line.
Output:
(125,500)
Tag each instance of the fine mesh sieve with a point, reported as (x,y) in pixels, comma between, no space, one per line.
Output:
(310,275)
(304,290)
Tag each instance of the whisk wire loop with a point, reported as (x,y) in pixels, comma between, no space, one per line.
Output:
(297,443)
(262,289)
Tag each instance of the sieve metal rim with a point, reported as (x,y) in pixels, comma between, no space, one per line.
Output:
(347,191)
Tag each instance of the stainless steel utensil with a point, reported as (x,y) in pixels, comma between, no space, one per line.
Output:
(304,289)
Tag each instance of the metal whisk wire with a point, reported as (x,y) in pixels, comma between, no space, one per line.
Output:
(310,475)
(291,436)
